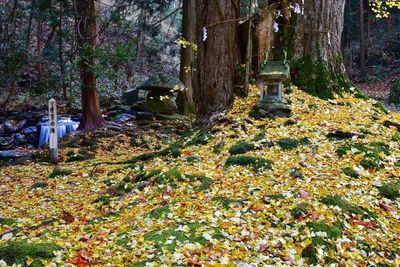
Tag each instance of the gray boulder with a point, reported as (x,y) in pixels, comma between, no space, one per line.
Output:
(12,126)
(164,104)
(163,83)
(12,154)
(133,96)
(6,142)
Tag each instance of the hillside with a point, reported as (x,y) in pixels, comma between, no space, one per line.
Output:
(321,187)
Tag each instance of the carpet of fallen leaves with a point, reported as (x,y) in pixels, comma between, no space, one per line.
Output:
(245,217)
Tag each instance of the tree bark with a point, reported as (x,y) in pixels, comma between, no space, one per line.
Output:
(185,99)
(249,50)
(316,59)
(265,34)
(91,116)
(350,40)
(141,39)
(362,39)
(319,31)
(216,59)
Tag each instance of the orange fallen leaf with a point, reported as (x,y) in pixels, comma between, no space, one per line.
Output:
(79,261)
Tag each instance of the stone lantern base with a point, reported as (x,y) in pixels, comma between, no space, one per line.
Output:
(269,108)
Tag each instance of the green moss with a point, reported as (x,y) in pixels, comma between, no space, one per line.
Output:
(372,151)
(193,159)
(142,176)
(314,77)
(310,253)
(255,162)
(17,252)
(288,143)
(59,172)
(5,221)
(202,139)
(39,185)
(104,200)
(360,95)
(172,175)
(241,148)
(260,136)
(350,172)
(379,106)
(159,212)
(334,231)
(82,155)
(216,149)
(396,137)
(300,210)
(390,190)
(226,202)
(193,235)
(344,205)
(205,182)
(171,151)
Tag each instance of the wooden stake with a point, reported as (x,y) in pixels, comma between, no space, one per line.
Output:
(53,131)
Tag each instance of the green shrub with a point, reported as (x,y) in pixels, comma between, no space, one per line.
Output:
(255,162)
(241,148)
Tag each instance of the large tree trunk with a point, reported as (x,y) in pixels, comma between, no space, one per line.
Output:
(316,56)
(185,99)
(216,59)
(265,34)
(91,116)
(362,39)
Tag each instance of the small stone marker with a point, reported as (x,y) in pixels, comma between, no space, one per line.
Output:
(53,130)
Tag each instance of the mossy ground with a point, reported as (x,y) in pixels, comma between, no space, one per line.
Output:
(21,251)
(148,208)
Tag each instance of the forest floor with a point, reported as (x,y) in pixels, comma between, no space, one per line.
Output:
(320,187)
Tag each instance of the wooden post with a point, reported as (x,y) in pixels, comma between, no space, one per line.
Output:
(53,131)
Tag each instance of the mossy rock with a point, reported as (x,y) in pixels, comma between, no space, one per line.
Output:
(350,172)
(340,135)
(288,143)
(347,207)
(157,213)
(255,162)
(82,155)
(39,185)
(170,176)
(217,148)
(333,232)
(59,172)
(191,234)
(241,147)
(271,109)
(142,176)
(17,252)
(171,151)
(201,139)
(104,200)
(390,190)
(300,210)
